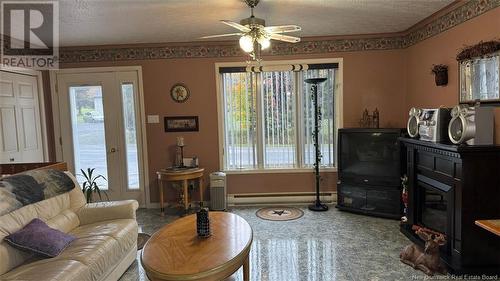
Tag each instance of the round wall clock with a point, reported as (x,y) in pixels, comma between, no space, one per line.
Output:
(179,93)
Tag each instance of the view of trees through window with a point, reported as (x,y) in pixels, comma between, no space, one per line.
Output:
(269,119)
(326,103)
(89,137)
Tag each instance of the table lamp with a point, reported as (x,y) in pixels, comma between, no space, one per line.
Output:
(180,144)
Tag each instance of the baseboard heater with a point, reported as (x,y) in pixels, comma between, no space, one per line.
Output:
(279,198)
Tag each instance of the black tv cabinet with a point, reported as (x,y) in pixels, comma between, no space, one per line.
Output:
(365,190)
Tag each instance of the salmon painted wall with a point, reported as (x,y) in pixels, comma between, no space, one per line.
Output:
(371,79)
(392,80)
(442,49)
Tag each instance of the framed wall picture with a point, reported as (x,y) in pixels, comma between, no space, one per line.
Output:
(181,124)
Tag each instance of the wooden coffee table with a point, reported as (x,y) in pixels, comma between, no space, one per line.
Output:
(176,252)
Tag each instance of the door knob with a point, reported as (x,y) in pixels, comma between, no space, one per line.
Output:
(112,150)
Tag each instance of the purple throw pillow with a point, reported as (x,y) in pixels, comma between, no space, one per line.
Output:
(39,238)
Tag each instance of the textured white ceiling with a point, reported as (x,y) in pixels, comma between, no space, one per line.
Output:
(103,22)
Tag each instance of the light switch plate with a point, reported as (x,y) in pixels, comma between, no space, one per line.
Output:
(153,119)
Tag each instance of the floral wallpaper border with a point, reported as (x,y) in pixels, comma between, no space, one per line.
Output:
(471,9)
(463,13)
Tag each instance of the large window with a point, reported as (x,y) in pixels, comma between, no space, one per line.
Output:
(268,118)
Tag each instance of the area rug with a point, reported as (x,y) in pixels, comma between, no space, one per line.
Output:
(142,238)
(279,213)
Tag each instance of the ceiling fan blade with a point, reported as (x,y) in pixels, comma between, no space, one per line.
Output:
(284,38)
(282,28)
(236,25)
(221,35)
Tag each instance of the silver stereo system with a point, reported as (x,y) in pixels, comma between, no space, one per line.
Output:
(412,125)
(472,125)
(429,124)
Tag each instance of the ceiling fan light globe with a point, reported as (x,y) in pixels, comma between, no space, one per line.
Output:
(246,43)
(264,43)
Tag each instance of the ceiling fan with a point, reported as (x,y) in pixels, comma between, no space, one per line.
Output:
(255,35)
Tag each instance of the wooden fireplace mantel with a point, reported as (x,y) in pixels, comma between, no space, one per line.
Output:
(469,177)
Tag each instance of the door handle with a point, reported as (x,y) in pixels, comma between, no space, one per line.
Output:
(112,150)
(12,159)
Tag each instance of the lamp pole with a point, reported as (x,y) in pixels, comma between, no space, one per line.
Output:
(317,205)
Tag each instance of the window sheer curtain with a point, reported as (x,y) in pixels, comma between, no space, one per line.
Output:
(279,119)
(269,119)
(240,120)
(326,104)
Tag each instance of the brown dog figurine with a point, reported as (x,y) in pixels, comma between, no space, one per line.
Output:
(427,259)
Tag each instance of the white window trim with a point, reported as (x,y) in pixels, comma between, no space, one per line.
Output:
(339,106)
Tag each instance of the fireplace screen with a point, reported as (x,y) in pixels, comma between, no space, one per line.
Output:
(434,208)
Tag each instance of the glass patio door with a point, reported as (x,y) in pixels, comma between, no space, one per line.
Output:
(100,128)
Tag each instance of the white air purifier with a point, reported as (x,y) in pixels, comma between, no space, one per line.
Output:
(471,125)
(218,191)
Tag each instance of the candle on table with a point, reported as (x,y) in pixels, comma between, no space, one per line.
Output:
(180,141)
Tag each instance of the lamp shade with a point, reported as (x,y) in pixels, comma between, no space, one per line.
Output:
(246,43)
(264,42)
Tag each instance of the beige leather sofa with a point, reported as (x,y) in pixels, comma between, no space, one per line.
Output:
(106,242)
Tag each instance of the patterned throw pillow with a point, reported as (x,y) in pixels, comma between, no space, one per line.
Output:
(37,237)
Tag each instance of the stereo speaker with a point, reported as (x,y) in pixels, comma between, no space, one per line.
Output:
(471,125)
(412,125)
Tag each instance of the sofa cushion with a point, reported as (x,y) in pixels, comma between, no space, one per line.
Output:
(101,246)
(124,231)
(50,270)
(98,253)
(97,249)
(39,238)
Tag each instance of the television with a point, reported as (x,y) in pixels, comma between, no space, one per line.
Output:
(370,155)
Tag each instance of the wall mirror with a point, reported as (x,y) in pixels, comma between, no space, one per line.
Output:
(479,67)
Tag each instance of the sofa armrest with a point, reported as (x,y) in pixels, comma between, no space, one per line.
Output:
(103,211)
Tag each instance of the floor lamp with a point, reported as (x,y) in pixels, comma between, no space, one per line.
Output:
(317,206)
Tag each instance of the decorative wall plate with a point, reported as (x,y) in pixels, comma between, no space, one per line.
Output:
(179,93)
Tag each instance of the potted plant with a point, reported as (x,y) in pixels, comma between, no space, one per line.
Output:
(90,185)
(440,72)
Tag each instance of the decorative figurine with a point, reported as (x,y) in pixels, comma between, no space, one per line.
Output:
(427,259)
(370,121)
(203,222)
(180,144)
(404,198)
(376,118)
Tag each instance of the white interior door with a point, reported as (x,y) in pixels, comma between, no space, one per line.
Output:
(100,128)
(20,127)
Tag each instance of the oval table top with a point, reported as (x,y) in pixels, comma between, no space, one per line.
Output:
(176,252)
